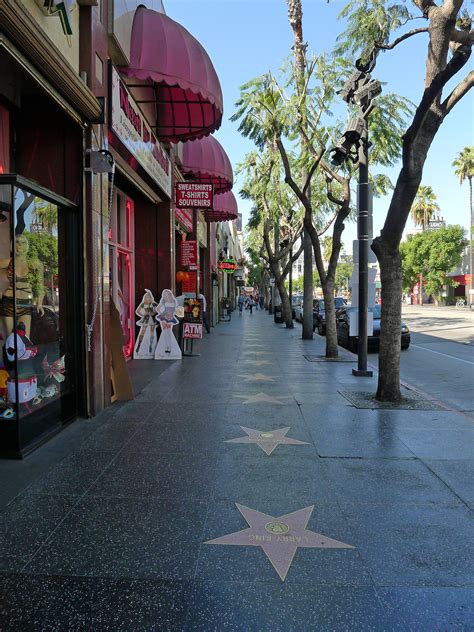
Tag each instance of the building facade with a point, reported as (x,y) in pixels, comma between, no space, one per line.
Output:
(95,116)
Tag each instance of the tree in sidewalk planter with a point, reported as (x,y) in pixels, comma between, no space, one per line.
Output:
(432,254)
(274,224)
(464,169)
(274,113)
(371,23)
(424,207)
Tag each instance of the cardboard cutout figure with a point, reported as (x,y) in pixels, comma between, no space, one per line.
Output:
(167,347)
(146,341)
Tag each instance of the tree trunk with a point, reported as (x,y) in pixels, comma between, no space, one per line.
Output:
(471,239)
(391,276)
(332,350)
(307,333)
(285,303)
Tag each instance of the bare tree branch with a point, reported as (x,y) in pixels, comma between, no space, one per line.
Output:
(457,61)
(402,38)
(459,91)
(313,168)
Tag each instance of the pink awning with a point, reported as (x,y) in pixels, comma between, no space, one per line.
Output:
(225,208)
(186,89)
(205,161)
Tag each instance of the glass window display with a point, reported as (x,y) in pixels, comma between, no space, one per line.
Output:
(38,321)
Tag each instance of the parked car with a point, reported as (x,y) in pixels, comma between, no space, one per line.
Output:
(299,311)
(296,305)
(319,313)
(373,341)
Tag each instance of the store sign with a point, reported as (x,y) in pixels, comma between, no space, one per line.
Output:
(61,9)
(194,195)
(185,218)
(130,125)
(228,265)
(192,331)
(188,253)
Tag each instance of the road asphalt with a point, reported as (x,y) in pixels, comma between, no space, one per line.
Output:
(255,487)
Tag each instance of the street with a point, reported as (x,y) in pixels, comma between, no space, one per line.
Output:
(440,360)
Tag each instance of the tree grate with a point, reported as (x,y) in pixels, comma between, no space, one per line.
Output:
(361,399)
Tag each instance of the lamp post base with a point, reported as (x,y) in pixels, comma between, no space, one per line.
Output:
(361,373)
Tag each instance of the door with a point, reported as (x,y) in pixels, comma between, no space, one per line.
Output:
(122,261)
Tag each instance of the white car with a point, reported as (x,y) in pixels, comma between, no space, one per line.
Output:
(298,309)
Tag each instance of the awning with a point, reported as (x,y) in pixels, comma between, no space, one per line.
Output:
(186,90)
(225,208)
(205,161)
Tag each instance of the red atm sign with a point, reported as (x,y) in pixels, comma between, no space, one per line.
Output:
(194,195)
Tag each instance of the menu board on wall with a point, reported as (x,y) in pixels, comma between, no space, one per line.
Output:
(188,253)
(129,124)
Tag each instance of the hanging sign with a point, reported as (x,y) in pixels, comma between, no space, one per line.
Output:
(129,124)
(194,195)
(185,218)
(227,265)
(188,253)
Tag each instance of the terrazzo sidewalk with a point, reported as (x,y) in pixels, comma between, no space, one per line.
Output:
(241,490)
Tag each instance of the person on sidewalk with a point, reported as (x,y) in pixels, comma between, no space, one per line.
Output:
(251,304)
(204,311)
(241,303)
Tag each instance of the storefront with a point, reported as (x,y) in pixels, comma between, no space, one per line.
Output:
(44,107)
(140,235)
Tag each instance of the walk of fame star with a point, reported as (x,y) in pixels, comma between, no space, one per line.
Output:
(258,377)
(262,398)
(267,441)
(279,537)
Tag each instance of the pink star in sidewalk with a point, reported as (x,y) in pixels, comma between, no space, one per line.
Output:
(279,537)
(267,441)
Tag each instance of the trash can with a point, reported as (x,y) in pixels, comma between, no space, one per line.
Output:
(278,316)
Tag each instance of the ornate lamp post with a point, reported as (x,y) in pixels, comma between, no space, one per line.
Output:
(360,89)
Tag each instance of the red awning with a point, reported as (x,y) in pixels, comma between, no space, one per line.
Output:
(205,161)
(186,89)
(225,208)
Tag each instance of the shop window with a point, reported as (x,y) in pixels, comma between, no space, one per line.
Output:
(121,252)
(38,319)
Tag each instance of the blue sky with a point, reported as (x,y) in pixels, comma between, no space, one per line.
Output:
(246,38)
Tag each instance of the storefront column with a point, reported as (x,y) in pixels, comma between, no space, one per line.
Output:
(166,248)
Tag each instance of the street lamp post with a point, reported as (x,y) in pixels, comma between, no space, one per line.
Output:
(360,89)
(363,229)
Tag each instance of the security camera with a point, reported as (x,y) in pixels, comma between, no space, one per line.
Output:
(364,95)
(356,80)
(346,148)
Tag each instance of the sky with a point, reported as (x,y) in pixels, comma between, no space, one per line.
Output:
(246,38)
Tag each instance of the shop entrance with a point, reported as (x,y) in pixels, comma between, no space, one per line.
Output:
(40,313)
(122,263)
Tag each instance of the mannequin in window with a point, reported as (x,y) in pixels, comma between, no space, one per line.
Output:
(26,298)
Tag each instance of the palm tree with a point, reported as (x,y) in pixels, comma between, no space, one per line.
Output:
(464,169)
(424,206)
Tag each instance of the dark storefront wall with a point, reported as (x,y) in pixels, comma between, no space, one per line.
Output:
(43,242)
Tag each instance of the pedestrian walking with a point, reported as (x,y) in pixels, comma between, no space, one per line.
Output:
(250,303)
(241,303)
(204,311)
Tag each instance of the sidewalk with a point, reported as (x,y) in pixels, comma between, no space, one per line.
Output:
(165,514)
